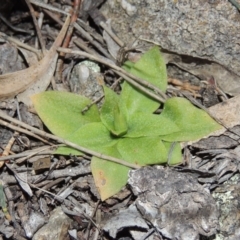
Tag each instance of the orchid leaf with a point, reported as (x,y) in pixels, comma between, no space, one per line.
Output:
(61,111)
(114,113)
(94,136)
(143,150)
(146,125)
(109,177)
(193,123)
(126,127)
(150,67)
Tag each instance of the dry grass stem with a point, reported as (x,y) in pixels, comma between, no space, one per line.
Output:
(47,6)
(29,153)
(39,34)
(113,36)
(21,44)
(60,140)
(162,98)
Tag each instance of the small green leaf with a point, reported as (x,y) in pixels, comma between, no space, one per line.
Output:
(61,111)
(120,122)
(174,152)
(152,68)
(113,113)
(94,136)
(109,177)
(193,123)
(143,150)
(146,125)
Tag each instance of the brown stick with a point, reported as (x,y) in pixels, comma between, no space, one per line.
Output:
(60,140)
(68,37)
(40,38)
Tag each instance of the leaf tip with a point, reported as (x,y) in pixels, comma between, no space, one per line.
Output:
(101,183)
(34,98)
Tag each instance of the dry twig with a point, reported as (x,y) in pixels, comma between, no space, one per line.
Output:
(136,81)
(60,140)
(40,38)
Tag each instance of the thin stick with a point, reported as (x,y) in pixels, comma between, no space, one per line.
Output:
(9,145)
(118,70)
(91,40)
(85,34)
(9,24)
(81,44)
(112,35)
(47,6)
(24,131)
(40,38)
(91,31)
(7,150)
(67,39)
(40,151)
(20,44)
(60,140)
(140,87)
(98,37)
(21,160)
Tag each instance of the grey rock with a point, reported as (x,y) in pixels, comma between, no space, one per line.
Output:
(87,80)
(54,226)
(199,28)
(174,203)
(35,222)
(227,198)
(127,218)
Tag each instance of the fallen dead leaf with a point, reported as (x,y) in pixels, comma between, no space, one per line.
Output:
(17,82)
(228,81)
(40,84)
(228,112)
(30,57)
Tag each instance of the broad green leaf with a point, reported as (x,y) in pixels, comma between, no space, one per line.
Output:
(109,177)
(193,123)
(143,150)
(61,111)
(113,113)
(150,67)
(94,136)
(174,152)
(143,124)
(120,122)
